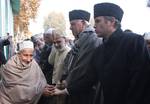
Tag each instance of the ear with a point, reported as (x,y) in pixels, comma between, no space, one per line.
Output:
(113,19)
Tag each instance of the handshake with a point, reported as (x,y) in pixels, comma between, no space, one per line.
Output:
(55,89)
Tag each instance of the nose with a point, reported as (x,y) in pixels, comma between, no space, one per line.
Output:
(56,44)
(70,27)
(29,59)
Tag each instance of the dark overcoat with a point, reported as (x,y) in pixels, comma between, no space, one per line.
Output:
(79,63)
(122,65)
(47,69)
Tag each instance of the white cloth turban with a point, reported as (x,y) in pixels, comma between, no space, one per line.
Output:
(26,44)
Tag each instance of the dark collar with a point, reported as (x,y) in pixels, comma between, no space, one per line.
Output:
(114,38)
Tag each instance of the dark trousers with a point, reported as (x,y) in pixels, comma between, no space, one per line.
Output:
(45,100)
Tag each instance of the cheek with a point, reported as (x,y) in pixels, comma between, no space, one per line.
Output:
(75,28)
(98,28)
(101,27)
(57,45)
(27,59)
(81,27)
(63,45)
(60,46)
(23,59)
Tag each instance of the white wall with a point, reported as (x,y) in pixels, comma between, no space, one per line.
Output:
(6,18)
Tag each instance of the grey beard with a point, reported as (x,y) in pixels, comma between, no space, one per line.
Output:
(61,49)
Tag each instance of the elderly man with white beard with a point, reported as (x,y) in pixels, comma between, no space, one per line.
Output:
(22,79)
(56,58)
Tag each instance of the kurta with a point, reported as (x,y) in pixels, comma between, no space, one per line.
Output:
(56,58)
(79,62)
(21,84)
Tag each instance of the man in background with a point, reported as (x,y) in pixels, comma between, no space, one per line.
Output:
(45,66)
(39,43)
(147,39)
(4,42)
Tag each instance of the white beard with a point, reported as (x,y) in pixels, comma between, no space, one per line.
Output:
(61,49)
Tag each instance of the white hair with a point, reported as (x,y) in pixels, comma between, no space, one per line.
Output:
(49,31)
(87,23)
(147,36)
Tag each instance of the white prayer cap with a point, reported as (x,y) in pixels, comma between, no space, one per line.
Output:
(49,31)
(26,44)
(147,36)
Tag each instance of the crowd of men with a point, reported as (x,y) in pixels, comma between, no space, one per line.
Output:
(105,65)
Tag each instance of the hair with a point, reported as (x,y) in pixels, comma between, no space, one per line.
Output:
(127,30)
(86,23)
(117,22)
(27,39)
(57,33)
(146,36)
(48,34)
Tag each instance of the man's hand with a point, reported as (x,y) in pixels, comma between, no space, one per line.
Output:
(59,92)
(49,90)
(60,85)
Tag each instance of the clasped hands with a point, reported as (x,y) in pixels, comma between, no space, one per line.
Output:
(52,90)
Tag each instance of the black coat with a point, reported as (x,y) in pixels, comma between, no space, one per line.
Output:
(3,42)
(81,55)
(45,66)
(122,65)
(47,69)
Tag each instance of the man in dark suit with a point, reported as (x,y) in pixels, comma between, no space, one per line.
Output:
(122,62)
